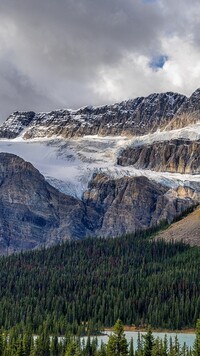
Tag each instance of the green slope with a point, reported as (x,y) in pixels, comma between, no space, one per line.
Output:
(133,278)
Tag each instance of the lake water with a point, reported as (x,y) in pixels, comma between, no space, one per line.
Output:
(182,338)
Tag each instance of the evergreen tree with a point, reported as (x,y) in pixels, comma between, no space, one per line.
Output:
(131,348)
(20,349)
(139,345)
(1,342)
(196,349)
(54,346)
(117,343)
(26,343)
(73,349)
(102,351)
(148,342)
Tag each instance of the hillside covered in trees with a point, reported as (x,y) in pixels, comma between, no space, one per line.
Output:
(97,281)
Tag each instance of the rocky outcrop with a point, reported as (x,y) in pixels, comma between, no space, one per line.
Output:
(165,111)
(32,212)
(187,114)
(15,124)
(131,204)
(132,117)
(180,156)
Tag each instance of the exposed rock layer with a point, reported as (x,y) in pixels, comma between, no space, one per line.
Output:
(133,117)
(180,156)
(33,214)
(133,204)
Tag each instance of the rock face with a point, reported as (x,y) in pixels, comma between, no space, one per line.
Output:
(34,214)
(15,124)
(188,113)
(180,156)
(132,117)
(131,204)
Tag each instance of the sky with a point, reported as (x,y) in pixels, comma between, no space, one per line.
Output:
(70,53)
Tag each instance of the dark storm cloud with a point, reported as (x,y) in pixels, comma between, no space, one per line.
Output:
(70,53)
(16,91)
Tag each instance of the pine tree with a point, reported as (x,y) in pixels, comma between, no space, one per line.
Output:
(54,346)
(117,343)
(73,349)
(20,349)
(148,342)
(196,348)
(131,348)
(157,348)
(26,343)
(1,342)
(139,345)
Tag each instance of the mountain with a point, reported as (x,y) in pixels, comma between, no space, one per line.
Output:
(132,117)
(32,212)
(105,171)
(35,214)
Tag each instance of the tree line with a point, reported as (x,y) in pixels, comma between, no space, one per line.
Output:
(20,342)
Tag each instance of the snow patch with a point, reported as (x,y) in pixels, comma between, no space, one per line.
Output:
(69,165)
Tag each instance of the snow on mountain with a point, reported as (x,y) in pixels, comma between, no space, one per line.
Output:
(69,164)
(68,146)
(131,117)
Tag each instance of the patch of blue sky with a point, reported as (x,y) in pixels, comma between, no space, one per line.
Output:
(158,62)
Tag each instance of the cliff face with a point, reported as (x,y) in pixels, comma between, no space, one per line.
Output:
(187,114)
(129,118)
(180,156)
(132,204)
(132,117)
(34,214)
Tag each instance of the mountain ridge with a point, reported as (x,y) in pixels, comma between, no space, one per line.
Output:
(130,117)
(122,168)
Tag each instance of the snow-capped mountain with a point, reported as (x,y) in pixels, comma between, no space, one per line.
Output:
(128,118)
(100,155)
(68,146)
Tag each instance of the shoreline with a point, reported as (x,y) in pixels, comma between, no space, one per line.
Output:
(143,329)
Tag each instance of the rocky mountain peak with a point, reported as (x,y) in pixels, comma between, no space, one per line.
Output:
(125,184)
(128,118)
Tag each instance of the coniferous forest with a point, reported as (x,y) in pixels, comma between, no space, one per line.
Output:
(92,283)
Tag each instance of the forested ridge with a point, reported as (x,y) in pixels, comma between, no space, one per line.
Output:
(97,281)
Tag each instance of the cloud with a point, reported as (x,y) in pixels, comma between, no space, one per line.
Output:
(70,53)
